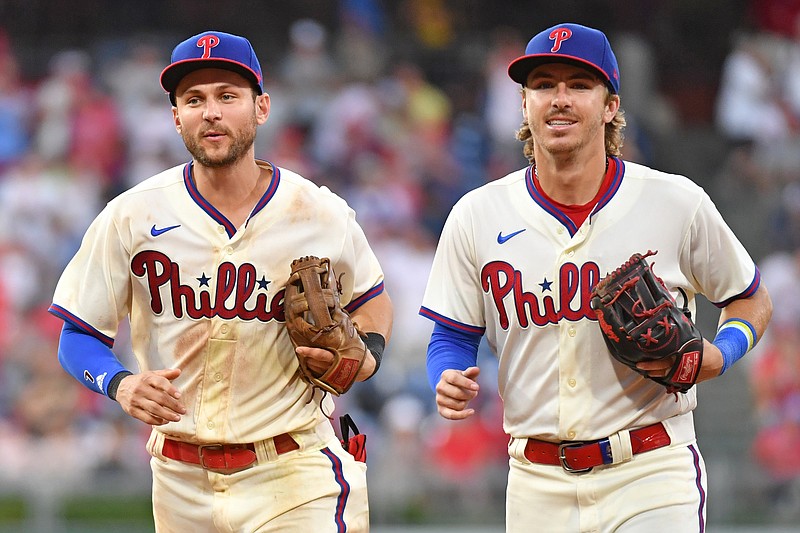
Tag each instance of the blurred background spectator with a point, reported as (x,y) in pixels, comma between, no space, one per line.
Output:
(400,107)
(775,385)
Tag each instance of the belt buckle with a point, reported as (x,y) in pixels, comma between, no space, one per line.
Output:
(563,458)
(203,447)
(220,448)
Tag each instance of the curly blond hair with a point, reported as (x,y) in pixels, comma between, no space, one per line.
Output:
(614,135)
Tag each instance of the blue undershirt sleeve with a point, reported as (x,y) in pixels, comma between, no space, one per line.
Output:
(450,348)
(88,360)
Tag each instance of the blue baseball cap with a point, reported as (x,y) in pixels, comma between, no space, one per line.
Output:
(568,43)
(212,49)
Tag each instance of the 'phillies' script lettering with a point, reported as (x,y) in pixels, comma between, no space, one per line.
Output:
(501,280)
(234,287)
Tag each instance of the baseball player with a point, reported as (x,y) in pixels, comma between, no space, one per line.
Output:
(594,445)
(198,257)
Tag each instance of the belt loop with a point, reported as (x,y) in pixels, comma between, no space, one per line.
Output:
(263,452)
(155,445)
(516,449)
(621,449)
(270,449)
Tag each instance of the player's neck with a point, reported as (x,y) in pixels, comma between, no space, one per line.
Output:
(568,181)
(233,190)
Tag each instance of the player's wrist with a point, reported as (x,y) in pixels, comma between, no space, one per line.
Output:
(375,343)
(734,339)
(113,385)
(711,366)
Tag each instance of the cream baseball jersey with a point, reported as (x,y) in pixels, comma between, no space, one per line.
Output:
(207,298)
(511,265)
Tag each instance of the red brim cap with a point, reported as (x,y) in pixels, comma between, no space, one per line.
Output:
(568,43)
(212,49)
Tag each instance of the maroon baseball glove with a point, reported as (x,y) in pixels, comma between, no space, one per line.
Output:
(640,321)
(315,318)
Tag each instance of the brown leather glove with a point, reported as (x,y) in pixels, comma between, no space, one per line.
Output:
(315,318)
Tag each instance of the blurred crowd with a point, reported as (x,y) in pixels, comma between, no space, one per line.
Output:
(401,145)
(758,189)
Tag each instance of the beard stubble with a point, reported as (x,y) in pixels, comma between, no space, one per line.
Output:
(241,142)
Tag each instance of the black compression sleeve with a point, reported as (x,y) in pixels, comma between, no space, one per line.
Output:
(376,343)
(114,384)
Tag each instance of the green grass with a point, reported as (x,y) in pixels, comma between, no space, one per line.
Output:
(131,510)
(13,509)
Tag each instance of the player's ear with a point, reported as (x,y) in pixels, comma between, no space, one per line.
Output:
(612,106)
(522,93)
(262,108)
(176,119)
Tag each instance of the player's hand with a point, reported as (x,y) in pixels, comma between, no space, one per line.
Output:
(456,388)
(658,368)
(711,367)
(151,397)
(319,360)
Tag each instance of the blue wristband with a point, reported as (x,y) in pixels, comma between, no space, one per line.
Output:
(734,338)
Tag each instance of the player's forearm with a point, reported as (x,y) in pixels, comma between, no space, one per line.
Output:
(376,316)
(742,323)
(87,359)
(757,310)
(450,349)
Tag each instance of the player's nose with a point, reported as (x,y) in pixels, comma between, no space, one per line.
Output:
(212,110)
(561,95)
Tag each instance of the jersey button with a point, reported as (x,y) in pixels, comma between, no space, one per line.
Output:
(217,377)
(224,329)
(571,435)
(220,229)
(571,331)
(572,382)
(570,253)
(229,250)
(210,425)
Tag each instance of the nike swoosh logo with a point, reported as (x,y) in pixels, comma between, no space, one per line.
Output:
(155,232)
(503,238)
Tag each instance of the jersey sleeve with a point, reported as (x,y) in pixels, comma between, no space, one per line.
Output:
(722,268)
(357,257)
(454,296)
(94,290)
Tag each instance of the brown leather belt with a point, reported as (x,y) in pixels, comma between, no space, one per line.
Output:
(223,458)
(579,457)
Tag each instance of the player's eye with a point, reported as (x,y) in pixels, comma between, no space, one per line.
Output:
(584,84)
(539,85)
